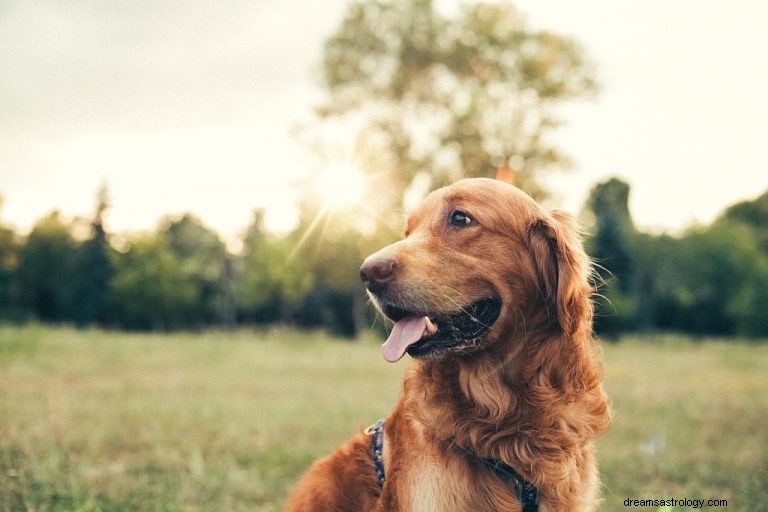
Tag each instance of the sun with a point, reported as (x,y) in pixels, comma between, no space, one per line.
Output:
(341,184)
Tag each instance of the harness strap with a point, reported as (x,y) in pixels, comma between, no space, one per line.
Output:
(377,447)
(527,493)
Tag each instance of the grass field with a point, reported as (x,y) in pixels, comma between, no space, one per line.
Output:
(95,421)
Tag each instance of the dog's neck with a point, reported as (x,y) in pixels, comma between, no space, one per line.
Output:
(505,406)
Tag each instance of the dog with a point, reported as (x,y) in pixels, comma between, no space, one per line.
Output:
(491,298)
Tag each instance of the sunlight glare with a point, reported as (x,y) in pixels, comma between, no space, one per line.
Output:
(341,185)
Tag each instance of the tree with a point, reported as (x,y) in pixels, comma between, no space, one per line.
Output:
(430,98)
(336,299)
(331,244)
(469,95)
(9,261)
(612,246)
(657,260)
(751,303)
(716,270)
(93,271)
(45,273)
(753,214)
(174,278)
(203,257)
(272,276)
(614,229)
(152,289)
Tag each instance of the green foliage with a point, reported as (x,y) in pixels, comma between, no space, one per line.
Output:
(750,305)
(452,96)
(175,278)
(92,273)
(337,298)
(714,266)
(710,280)
(9,261)
(656,262)
(612,249)
(45,271)
(153,290)
(614,229)
(438,97)
(715,282)
(202,256)
(273,279)
(753,214)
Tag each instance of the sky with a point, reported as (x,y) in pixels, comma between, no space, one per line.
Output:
(193,106)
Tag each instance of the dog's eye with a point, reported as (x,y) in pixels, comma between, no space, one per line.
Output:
(459,219)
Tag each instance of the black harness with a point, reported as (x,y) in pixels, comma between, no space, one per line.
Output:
(377,447)
(526,492)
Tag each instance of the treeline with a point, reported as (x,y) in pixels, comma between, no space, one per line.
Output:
(179,276)
(710,280)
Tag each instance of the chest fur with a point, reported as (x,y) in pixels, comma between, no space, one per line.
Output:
(439,484)
(432,486)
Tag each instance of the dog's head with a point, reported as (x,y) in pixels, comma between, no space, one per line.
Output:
(479,261)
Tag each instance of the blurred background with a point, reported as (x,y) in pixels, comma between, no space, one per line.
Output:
(207,168)
(186,165)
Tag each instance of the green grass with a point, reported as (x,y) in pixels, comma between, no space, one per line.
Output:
(109,421)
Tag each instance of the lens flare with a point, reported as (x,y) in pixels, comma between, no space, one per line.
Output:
(340,185)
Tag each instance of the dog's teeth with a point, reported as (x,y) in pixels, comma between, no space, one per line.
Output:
(429,328)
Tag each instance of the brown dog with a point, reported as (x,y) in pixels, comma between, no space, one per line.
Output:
(490,295)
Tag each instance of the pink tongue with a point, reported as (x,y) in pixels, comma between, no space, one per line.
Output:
(405,333)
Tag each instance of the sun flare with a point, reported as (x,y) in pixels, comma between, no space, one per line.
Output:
(340,185)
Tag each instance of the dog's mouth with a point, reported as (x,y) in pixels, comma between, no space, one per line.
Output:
(427,334)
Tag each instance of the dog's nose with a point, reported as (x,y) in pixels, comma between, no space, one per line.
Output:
(377,271)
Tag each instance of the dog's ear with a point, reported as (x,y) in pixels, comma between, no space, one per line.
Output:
(563,270)
(564,362)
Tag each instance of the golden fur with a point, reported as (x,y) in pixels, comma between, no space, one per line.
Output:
(528,393)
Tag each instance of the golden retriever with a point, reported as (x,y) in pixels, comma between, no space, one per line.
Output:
(491,298)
